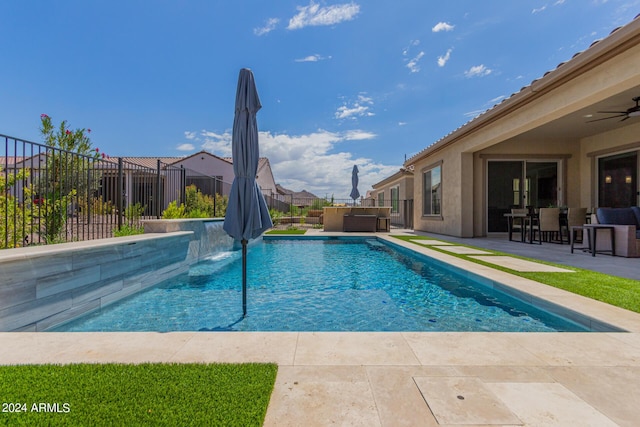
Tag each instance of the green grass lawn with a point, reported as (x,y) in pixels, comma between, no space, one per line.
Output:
(292,231)
(136,395)
(618,291)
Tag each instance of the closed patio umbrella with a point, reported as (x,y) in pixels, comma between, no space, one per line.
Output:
(354,184)
(247,214)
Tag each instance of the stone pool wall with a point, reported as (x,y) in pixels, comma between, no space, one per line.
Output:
(208,235)
(44,286)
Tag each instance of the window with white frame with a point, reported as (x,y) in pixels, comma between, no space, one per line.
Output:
(381,198)
(432,191)
(395,199)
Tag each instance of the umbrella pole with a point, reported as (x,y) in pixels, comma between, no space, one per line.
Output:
(244,277)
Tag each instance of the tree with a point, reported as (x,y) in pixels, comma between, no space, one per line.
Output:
(67,161)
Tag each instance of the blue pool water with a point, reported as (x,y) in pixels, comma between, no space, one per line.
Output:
(321,285)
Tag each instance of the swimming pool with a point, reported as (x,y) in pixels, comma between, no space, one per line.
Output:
(322,285)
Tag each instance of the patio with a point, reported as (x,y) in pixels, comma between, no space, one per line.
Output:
(552,252)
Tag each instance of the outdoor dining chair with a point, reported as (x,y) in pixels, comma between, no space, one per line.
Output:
(519,224)
(576,217)
(548,225)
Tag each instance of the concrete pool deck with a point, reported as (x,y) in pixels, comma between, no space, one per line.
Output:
(410,378)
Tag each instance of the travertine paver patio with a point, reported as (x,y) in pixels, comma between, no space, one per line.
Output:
(391,379)
(409,378)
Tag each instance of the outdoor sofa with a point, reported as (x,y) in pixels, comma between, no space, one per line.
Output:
(626,223)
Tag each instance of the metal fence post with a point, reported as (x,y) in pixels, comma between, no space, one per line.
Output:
(120,193)
(215,196)
(157,192)
(183,185)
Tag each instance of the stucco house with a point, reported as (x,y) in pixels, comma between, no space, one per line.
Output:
(200,169)
(396,191)
(544,145)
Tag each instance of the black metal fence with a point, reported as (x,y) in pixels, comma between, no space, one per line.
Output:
(49,195)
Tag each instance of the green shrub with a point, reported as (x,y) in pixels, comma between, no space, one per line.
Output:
(201,205)
(174,211)
(98,206)
(320,203)
(276,215)
(221,205)
(197,213)
(133,212)
(128,230)
(15,218)
(53,213)
(198,205)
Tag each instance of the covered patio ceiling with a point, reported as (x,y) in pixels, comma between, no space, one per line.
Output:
(576,125)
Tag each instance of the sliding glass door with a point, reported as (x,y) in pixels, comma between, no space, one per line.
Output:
(518,184)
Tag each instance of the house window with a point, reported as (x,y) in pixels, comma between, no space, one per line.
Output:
(381,198)
(395,199)
(432,191)
(618,180)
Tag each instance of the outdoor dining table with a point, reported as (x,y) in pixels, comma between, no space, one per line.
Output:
(528,219)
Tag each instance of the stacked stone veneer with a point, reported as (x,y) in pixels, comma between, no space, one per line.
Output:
(208,235)
(44,286)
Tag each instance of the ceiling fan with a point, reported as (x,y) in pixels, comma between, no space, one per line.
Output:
(630,112)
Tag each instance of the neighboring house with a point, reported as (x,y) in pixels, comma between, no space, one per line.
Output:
(298,198)
(544,145)
(396,191)
(264,177)
(390,191)
(209,173)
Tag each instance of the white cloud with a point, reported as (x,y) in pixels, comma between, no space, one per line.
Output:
(219,144)
(312,58)
(359,108)
(402,123)
(442,26)
(541,9)
(559,2)
(185,147)
(442,60)
(477,71)
(189,135)
(269,26)
(405,51)
(358,135)
(474,114)
(412,65)
(488,105)
(345,112)
(315,162)
(314,15)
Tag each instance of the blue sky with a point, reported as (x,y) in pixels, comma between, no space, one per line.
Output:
(341,83)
